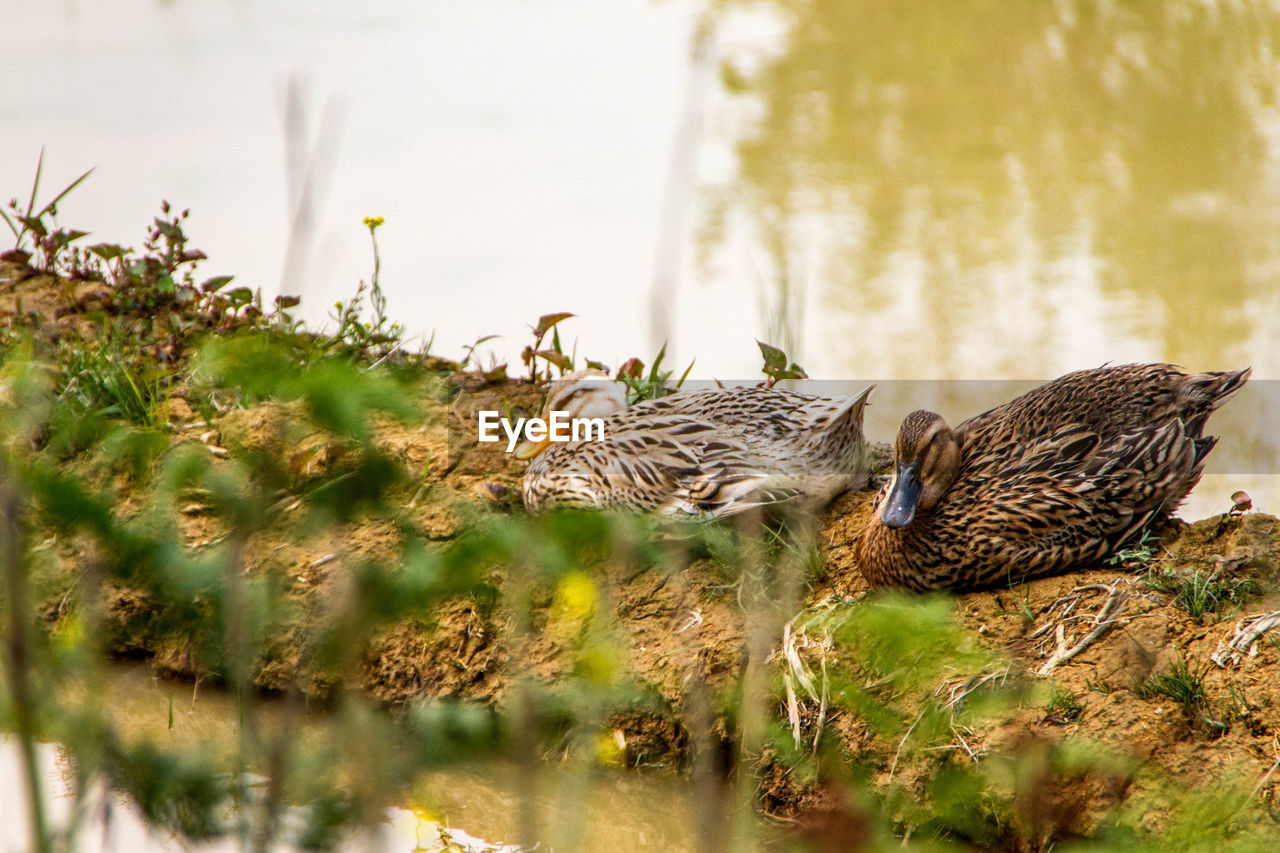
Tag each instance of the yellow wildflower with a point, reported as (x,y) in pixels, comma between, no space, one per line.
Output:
(576,596)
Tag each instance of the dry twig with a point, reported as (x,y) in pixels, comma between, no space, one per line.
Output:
(1244,642)
(1106,616)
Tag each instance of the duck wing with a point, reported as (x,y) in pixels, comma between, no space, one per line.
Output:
(1111,401)
(1074,498)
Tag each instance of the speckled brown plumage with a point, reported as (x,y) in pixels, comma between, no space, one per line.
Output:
(706,453)
(1053,480)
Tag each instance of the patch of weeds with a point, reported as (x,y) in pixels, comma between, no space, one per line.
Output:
(40,233)
(785,547)
(1237,707)
(494,372)
(366,336)
(1184,684)
(158,295)
(1138,555)
(552,355)
(1200,593)
(101,378)
(650,386)
(1063,707)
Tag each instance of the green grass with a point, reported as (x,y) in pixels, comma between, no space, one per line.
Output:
(102,378)
(643,386)
(1202,593)
(1063,707)
(1184,684)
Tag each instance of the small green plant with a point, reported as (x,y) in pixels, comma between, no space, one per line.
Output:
(1184,684)
(39,225)
(1064,707)
(157,291)
(1240,504)
(1138,555)
(360,335)
(1236,705)
(650,386)
(777,366)
(553,355)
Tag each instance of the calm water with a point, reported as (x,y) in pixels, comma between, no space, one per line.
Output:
(614,812)
(972,190)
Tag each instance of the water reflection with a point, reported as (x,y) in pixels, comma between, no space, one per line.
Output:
(961,190)
(1015,190)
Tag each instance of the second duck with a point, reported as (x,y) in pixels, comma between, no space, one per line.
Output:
(704,453)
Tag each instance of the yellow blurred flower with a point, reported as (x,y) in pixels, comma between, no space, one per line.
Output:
(372,222)
(576,596)
(611,748)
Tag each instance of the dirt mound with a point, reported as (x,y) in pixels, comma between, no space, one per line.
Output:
(675,628)
(1160,659)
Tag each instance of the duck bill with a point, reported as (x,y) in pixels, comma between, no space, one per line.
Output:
(526,450)
(900,507)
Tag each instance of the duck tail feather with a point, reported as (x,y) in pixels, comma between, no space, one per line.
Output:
(1213,389)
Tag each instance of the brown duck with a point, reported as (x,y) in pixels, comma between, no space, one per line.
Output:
(698,453)
(1051,481)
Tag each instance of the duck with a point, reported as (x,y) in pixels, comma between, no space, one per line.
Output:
(707,454)
(1051,481)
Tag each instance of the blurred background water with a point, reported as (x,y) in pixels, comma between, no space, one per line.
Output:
(960,190)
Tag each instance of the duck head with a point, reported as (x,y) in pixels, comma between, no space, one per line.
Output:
(583,394)
(926,459)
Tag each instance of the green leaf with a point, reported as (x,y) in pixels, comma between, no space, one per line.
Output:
(165,284)
(240,295)
(283,302)
(632,368)
(107,251)
(685,375)
(35,225)
(7,221)
(169,230)
(60,196)
(774,358)
(216,283)
(546,321)
(775,364)
(559,359)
